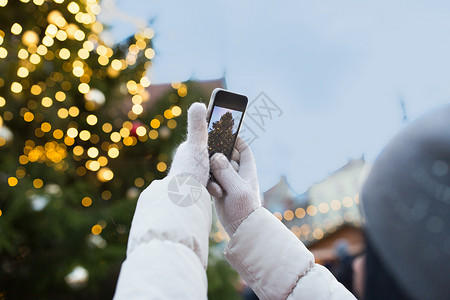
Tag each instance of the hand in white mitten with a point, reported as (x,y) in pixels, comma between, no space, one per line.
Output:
(192,156)
(236,193)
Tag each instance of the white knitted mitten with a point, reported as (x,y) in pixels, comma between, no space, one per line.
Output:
(192,156)
(236,193)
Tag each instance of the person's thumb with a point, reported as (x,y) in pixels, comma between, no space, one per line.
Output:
(197,126)
(224,172)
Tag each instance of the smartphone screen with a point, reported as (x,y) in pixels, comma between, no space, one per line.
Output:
(226,115)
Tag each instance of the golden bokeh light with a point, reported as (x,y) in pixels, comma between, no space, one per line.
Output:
(113,152)
(168,114)
(176,111)
(93,165)
(182,91)
(38,183)
(86,202)
(141,131)
(91,120)
(73,7)
(16,87)
(300,213)
(85,135)
(74,111)
(78,71)
(12,181)
(64,53)
(335,205)
(115,137)
(22,54)
(149,53)
(124,132)
(16,28)
(172,124)
(145,82)
(61,35)
(153,134)
(46,102)
(92,152)
(139,182)
(36,89)
(155,123)
(347,201)
(102,160)
(105,174)
(311,210)
(288,215)
(161,166)
(46,127)
(51,30)
(35,59)
(60,96)
(58,134)
(78,150)
(63,113)
(42,50)
(107,127)
(96,229)
(30,38)
(48,41)
(83,53)
(3,52)
(83,88)
(116,64)
(318,233)
(324,207)
(72,132)
(28,116)
(137,109)
(22,72)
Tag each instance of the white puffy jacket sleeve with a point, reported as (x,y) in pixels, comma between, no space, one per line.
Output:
(167,250)
(276,264)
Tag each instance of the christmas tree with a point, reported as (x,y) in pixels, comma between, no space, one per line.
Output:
(221,137)
(80,137)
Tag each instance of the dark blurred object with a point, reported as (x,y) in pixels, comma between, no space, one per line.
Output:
(379,283)
(249,294)
(406,199)
(343,270)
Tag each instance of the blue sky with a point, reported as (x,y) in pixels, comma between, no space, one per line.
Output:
(337,69)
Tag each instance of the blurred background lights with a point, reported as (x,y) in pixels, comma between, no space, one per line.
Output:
(16,28)
(105,174)
(92,152)
(73,7)
(86,201)
(16,87)
(96,96)
(77,278)
(96,229)
(113,152)
(22,72)
(30,38)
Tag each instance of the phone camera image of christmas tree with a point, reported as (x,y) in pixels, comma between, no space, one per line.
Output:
(222,133)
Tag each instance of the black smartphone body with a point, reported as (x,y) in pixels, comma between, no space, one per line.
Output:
(226,112)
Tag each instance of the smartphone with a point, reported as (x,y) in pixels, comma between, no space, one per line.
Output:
(226,112)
